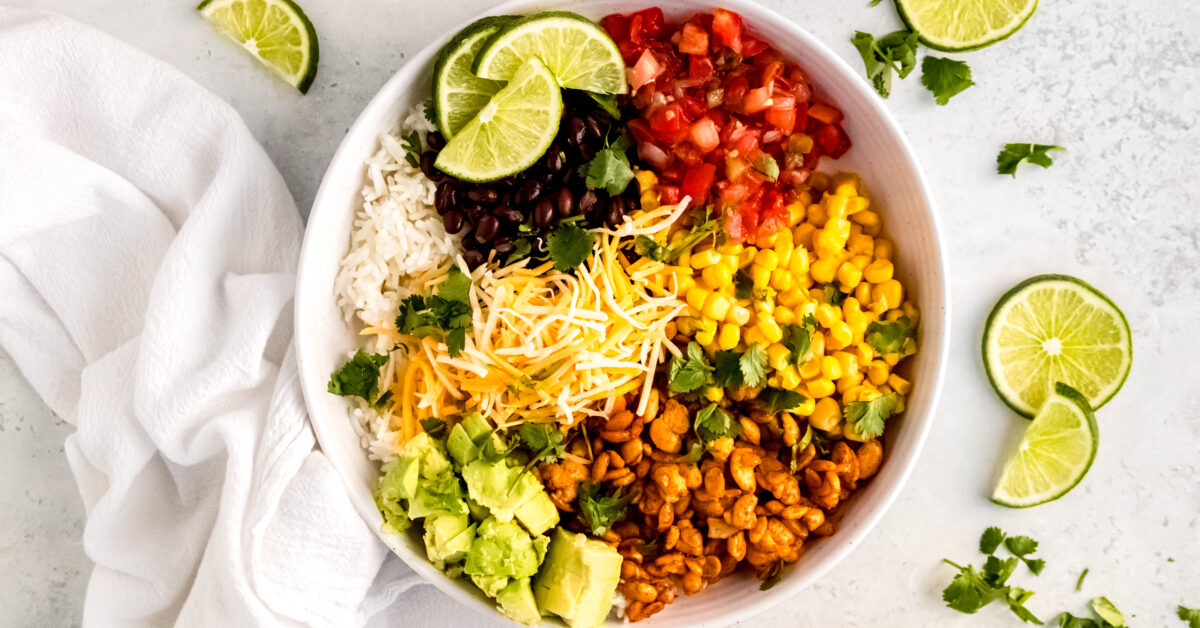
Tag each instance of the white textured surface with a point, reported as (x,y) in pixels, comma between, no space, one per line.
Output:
(1113,82)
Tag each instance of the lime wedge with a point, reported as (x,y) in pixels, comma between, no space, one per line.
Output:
(275,31)
(1057,451)
(511,132)
(957,25)
(457,93)
(1055,328)
(579,53)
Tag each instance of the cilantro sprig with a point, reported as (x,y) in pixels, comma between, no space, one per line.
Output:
(600,511)
(869,417)
(779,399)
(689,373)
(543,441)
(945,78)
(609,169)
(412,148)
(971,590)
(894,52)
(435,427)
(712,423)
(892,336)
(647,247)
(569,246)
(1190,615)
(733,370)
(446,315)
(1014,154)
(359,377)
(798,339)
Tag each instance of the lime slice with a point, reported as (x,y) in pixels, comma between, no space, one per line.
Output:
(275,31)
(1055,328)
(457,93)
(1057,451)
(957,25)
(511,132)
(578,52)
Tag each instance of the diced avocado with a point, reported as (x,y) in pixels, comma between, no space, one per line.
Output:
(476,427)
(431,453)
(460,446)
(540,544)
(499,487)
(438,495)
(577,579)
(501,548)
(447,538)
(537,514)
(400,482)
(491,585)
(516,603)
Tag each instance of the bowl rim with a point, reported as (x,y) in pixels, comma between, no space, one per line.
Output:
(752,13)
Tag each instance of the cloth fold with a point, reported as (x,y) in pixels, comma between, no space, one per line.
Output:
(147,256)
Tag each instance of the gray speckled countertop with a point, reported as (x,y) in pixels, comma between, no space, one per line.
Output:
(1114,82)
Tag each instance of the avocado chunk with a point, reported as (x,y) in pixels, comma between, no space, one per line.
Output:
(400,482)
(501,548)
(578,579)
(462,449)
(537,514)
(499,487)
(430,452)
(476,427)
(516,603)
(439,495)
(448,538)
(491,585)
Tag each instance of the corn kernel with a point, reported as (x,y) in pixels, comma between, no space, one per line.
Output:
(746,257)
(778,355)
(823,270)
(816,346)
(684,324)
(812,368)
(827,315)
(714,394)
(738,315)
(685,258)
(789,378)
(729,336)
(858,204)
(704,259)
(817,215)
(820,387)
(765,307)
(754,337)
(784,315)
(819,181)
(899,384)
(849,380)
(781,279)
(883,249)
(891,359)
(826,415)
(717,276)
(831,369)
(791,297)
(773,381)
(704,337)
(765,240)
(850,432)
(889,293)
(835,206)
(878,271)
(869,220)
(795,213)
(860,244)
(767,259)
(849,363)
(759,276)
(910,311)
(802,235)
(716,307)
(858,323)
(839,336)
(731,248)
(864,352)
(769,329)
(862,293)
(848,276)
(697,296)
(783,249)
(860,261)
(844,183)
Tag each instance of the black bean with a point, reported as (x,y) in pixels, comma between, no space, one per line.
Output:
(487,228)
(616,212)
(487,196)
(508,214)
(564,202)
(528,192)
(555,159)
(435,140)
(594,129)
(453,221)
(427,167)
(445,197)
(503,245)
(587,203)
(474,213)
(473,259)
(576,131)
(587,152)
(543,212)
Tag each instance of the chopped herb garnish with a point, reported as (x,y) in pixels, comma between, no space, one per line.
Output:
(798,340)
(1079,582)
(601,511)
(946,78)
(834,296)
(1190,615)
(893,52)
(779,400)
(1108,612)
(991,540)
(971,590)
(435,427)
(743,286)
(359,377)
(569,246)
(607,102)
(773,576)
(868,417)
(445,316)
(712,423)
(1013,154)
(609,169)
(543,441)
(892,336)
(689,374)
(647,247)
(412,148)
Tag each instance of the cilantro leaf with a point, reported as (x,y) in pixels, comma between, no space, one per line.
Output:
(1020,545)
(753,365)
(544,442)
(799,447)
(609,169)
(968,592)
(1190,615)
(892,336)
(868,416)
(773,576)
(798,340)
(1067,620)
(428,109)
(743,286)
(990,541)
(456,287)
(712,423)
(695,452)
(607,102)
(691,373)
(1016,599)
(359,377)
(496,447)
(834,296)
(946,78)
(1108,612)
(569,246)
(894,52)
(727,369)
(1013,154)
(435,427)
(412,148)
(779,400)
(647,247)
(601,511)
(997,572)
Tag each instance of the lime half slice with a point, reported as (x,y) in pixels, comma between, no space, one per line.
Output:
(457,92)
(957,25)
(578,52)
(1055,328)
(276,32)
(511,132)
(1057,451)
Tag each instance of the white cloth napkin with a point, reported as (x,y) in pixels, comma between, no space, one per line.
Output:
(147,256)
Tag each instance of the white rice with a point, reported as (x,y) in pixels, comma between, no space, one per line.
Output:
(396,232)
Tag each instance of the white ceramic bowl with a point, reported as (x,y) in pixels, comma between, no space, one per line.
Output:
(880,155)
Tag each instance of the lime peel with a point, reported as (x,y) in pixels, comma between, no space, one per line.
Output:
(276,32)
(961,25)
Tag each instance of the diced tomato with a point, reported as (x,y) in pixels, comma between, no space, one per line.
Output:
(782,114)
(770,72)
(697,181)
(829,138)
(640,130)
(693,107)
(727,29)
(704,134)
(693,40)
(736,168)
(700,68)
(752,47)
(667,120)
(825,113)
(669,194)
(688,154)
(616,25)
(645,70)
(646,24)
(735,91)
(757,99)
(630,50)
